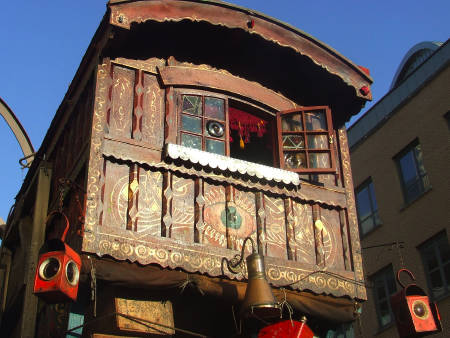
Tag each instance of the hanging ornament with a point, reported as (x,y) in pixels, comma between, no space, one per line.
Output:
(241,141)
(246,124)
(260,133)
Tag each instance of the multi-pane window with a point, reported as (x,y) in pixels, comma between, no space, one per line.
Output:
(367,207)
(413,176)
(305,140)
(223,126)
(384,287)
(203,123)
(436,260)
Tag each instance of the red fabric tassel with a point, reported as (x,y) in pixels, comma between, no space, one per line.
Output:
(246,124)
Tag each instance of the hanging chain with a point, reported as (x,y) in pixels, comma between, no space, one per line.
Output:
(400,256)
(93,287)
(65,185)
(61,197)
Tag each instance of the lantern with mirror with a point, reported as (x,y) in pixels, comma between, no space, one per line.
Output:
(415,314)
(58,270)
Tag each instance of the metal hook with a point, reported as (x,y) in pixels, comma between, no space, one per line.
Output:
(237,259)
(408,272)
(51,215)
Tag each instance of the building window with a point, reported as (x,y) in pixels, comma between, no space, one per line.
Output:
(368,218)
(436,260)
(202,123)
(384,287)
(305,140)
(219,124)
(413,176)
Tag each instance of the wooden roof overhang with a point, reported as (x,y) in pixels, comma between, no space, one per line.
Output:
(225,36)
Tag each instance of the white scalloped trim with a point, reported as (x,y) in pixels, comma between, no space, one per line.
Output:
(224,163)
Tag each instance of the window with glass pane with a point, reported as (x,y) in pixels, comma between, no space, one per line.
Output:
(366,204)
(383,287)
(413,176)
(202,123)
(305,142)
(436,261)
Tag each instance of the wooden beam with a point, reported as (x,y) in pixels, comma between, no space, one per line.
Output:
(204,78)
(29,313)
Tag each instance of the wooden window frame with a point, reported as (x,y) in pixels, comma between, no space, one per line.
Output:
(382,275)
(329,132)
(421,179)
(304,132)
(203,95)
(432,244)
(374,211)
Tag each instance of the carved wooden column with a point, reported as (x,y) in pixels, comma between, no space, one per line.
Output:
(260,223)
(199,208)
(351,212)
(290,232)
(318,236)
(167,197)
(345,242)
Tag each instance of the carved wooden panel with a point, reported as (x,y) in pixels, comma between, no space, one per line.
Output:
(154,311)
(182,227)
(274,228)
(115,195)
(332,239)
(300,233)
(149,203)
(151,122)
(131,199)
(229,216)
(121,115)
(213,231)
(240,218)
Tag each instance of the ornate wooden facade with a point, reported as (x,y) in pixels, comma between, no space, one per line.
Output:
(165,192)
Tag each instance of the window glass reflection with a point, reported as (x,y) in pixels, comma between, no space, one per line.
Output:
(192,104)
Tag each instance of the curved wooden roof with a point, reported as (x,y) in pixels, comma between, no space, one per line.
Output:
(125,12)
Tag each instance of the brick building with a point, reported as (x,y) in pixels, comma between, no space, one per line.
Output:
(400,157)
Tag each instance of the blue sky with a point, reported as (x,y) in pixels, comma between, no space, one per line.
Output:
(42,43)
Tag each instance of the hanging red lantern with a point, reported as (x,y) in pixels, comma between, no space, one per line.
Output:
(414,313)
(58,271)
(287,329)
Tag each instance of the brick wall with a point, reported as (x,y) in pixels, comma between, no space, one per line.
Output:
(421,117)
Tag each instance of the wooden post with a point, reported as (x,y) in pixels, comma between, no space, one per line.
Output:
(29,313)
(5,267)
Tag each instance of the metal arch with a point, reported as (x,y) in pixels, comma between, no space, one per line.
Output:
(431,46)
(19,133)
